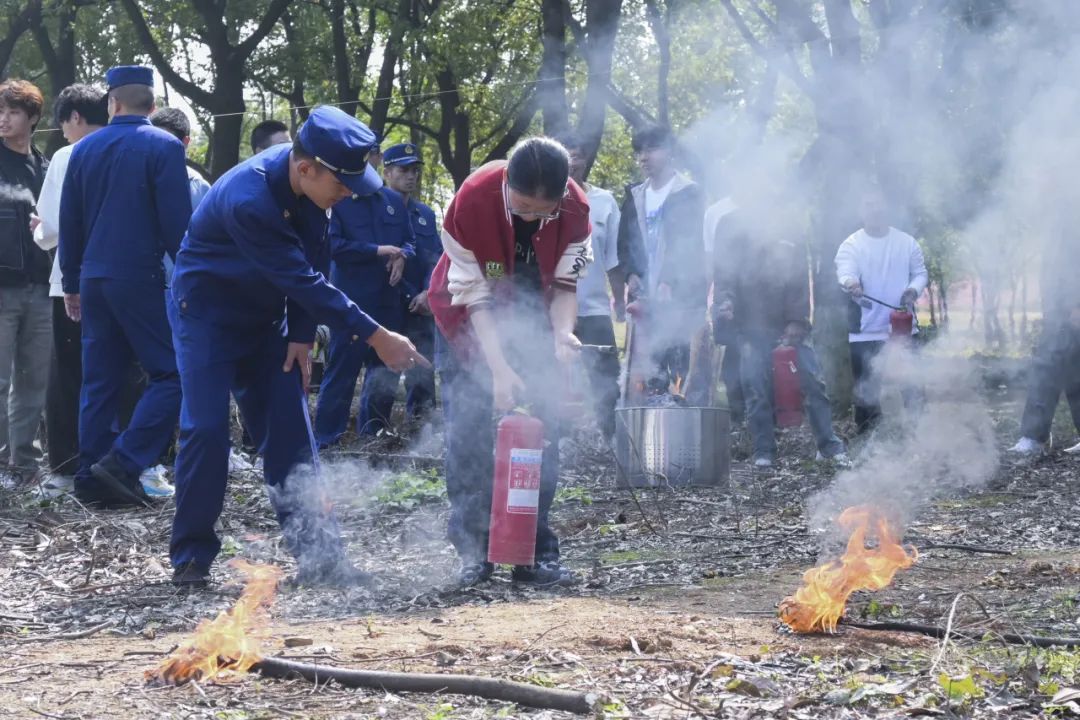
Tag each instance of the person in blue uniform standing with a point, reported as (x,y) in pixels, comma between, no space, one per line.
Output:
(247,292)
(124,205)
(370,242)
(402,165)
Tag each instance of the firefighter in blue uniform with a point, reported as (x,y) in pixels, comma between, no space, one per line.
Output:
(370,242)
(124,205)
(402,165)
(246,295)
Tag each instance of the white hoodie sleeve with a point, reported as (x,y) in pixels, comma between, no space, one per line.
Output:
(572,264)
(465,279)
(47,234)
(847,262)
(918,277)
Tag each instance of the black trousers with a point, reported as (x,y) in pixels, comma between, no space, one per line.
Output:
(602,368)
(867,383)
(1054,370)
(62,394)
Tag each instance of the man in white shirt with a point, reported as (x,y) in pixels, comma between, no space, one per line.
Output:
(881,262)
(78,111)
(594,326)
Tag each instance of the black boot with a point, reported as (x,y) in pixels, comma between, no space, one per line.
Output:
(191,576)
(544,573)
(474,573)
(122,485)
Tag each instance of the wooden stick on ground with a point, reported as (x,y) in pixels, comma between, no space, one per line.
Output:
(490,688)
(939,633)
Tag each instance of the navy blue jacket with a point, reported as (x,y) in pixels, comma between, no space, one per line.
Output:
(429,249)
(125,203)
(256,252)
(358,226)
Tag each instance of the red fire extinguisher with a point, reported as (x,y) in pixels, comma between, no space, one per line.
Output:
(901,323)
(515,494)
(787,393)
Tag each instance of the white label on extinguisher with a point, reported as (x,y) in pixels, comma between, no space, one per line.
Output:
(523,496)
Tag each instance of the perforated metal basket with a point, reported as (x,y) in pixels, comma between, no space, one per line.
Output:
(672,446)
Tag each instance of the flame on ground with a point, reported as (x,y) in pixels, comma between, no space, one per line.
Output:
(819,603)
(232,640)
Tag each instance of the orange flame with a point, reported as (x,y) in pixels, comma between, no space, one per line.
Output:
(232,640)
(819,603)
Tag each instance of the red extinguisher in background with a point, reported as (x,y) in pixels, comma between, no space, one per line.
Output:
(787,392)
(515,493)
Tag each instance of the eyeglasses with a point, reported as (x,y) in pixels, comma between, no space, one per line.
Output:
(337,169)
(535,215)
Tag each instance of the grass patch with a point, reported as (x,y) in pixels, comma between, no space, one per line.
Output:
(408,490)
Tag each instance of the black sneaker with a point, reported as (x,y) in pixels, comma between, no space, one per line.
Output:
(191,576)
(334,574)
(123,486)
(544,573)
(475,573)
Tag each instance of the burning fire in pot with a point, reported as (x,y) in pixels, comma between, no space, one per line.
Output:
(819,604)
(230,642)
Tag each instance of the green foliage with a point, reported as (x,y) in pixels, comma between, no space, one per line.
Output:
(573,493)
(408,490)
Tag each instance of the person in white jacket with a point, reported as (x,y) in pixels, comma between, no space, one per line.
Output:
(881,262)
(78,111)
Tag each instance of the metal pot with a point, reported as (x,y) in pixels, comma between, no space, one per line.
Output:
(671,446)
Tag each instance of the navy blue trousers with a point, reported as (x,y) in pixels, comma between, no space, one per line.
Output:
(345,359)
(124,321)
(215,361)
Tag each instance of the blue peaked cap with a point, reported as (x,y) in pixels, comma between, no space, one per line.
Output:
(129,75)
(341,143)
(401,154)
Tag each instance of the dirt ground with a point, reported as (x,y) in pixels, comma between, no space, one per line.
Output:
(675,616)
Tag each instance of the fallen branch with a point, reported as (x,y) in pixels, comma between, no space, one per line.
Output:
(940,632)
(966,548)
(79,635)
(490,688)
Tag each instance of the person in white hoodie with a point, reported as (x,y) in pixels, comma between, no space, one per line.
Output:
(878,261)
(78,111)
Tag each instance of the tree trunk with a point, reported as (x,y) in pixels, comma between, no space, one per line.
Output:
(602,25)
(974,303)
(59,57)
(551,85)
(229,107)
(930,298)
(18,25)
(1024,308)
(658,24)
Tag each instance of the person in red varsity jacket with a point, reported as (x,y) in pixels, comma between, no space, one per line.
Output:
(515,240)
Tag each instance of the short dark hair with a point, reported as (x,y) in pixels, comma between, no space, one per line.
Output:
(538,167)
(569,140)
(87,100)
(174,120)
(261,134)
(300,152)
(23,95)
(651,136)
(135,97)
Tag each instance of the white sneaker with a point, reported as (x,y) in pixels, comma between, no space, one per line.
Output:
(237,462)
(1073,449)
(56,485)
(1027,446)
(154,482)
(763,462)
